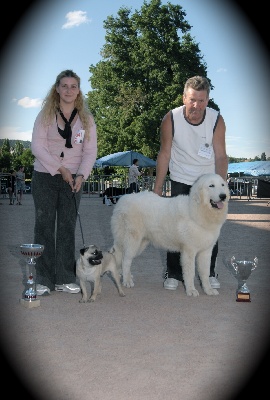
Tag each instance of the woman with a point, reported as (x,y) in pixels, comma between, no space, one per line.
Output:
(20,184)
(64,143)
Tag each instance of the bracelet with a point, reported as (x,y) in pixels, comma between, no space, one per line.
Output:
(79,175)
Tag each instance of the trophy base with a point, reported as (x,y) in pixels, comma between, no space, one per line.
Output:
(30,304)
(244,297)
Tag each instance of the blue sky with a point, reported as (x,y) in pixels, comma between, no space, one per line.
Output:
(69,34)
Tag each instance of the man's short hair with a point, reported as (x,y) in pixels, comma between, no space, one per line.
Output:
(197,83)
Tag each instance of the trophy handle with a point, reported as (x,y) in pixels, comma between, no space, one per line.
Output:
(255,264)
(234,264)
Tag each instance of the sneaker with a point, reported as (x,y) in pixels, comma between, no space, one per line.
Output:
(68,287)
(214,282)
(41,289)
(170,283)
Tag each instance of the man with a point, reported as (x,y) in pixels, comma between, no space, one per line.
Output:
(11,186)
(192,143)
(133,174)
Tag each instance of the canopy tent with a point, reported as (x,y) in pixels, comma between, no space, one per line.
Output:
(252,168)
(124,159)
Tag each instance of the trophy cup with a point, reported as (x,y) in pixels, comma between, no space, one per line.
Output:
(31,252)
(241,270)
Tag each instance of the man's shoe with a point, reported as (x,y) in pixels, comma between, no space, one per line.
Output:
(41,289)
(170,283)
(68,287)
(214,282)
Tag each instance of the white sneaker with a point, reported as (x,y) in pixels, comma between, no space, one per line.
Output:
(68,287)
(41,289)
(170,283)
(214,282)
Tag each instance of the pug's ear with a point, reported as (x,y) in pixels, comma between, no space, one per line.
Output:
(82,251)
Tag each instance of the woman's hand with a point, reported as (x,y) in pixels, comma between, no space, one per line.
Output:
(66,175)
(77,183)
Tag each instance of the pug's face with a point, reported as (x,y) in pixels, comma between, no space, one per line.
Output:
(92,254)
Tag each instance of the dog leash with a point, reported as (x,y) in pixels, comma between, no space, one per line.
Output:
(74,195)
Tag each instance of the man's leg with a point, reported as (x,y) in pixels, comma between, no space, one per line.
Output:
(174,269)
(213,279)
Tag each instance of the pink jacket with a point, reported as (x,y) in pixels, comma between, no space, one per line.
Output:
(48,145)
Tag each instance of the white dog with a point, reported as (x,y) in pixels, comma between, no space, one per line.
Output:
(187,223)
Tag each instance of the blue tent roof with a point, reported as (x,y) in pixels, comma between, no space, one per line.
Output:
(124,159)
(252,168)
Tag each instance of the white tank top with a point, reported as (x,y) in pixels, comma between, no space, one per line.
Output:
(186,165)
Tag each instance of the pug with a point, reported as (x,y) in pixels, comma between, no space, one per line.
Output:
(91,265)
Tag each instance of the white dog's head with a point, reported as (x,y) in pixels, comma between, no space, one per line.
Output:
(212,191)
(92,254)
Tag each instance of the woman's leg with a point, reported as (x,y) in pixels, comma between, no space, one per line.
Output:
(45,190)
(65,235)
(10,194)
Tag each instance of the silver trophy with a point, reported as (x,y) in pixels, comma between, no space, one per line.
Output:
(31,252)
(241,270)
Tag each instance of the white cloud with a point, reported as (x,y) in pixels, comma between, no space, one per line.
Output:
(14,133)
(222,70)
(75,18)
(26,102)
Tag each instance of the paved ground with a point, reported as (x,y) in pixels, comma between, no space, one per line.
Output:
(152,344)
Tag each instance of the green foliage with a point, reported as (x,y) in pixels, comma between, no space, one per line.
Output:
(147,57)
(263,156)
(6,146)
(14,157)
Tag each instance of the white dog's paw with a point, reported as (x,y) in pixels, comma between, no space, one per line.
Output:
(211,292)
(192,292)
(83,301)
(128,283)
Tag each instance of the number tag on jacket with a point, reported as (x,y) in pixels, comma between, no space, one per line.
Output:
(205,151)
(79,136)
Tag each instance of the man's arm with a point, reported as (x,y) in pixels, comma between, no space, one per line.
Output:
(219,145)
(164,154)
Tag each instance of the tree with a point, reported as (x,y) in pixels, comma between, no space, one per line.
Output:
(26,159)
(18,149)
(12,158)
(6,146)
(263,156)
(5,156)
(147,57)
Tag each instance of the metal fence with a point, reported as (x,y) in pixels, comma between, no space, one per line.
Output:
(97,184)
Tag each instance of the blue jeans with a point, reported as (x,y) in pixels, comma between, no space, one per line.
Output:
(174,268)
(55,224)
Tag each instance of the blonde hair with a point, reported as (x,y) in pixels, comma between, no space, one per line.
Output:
(51,103)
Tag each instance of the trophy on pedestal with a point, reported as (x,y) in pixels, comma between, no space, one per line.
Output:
(31,252)
(241,270)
